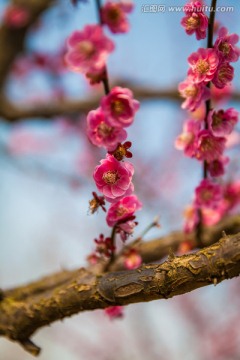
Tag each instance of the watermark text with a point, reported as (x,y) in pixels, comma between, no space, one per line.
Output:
(162,8)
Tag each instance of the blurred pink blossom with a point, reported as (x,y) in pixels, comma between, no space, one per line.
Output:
(208,194)
(16,16)
(223,76)
(123,209)
(101,133)
(132,259)
(194,94)
(114,312)
(216,167)
(195,20)
(209,147)
(225,46)
(88,50)
(187,140)
(222,122)
(114,15)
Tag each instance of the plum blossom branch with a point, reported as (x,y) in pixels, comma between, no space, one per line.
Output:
(200,139)
(150,251)
(105,79)
(209,45)
(106,126)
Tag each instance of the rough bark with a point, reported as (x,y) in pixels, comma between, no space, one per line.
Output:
(85,290)
(151,251)
(25,309)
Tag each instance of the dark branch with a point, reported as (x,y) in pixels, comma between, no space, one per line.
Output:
(14,113)
(12,39)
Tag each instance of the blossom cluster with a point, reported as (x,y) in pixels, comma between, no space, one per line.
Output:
(88,51)
(211,64)
(106,127)
(205,138)
(195,21)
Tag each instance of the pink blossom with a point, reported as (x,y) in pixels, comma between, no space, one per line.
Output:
(114,15)
(16,16)
(212,216)
(96,76)
(232,194)
(216,167)
(23,142)
(192,7)
(126,229)
(221,95)
(114,312)
(93,259)
(203,65)
(114,178)
(187,140)
(104,246)
(185,247)
(132,259)
(233,140)
(223,75)
(123,209)
(195,94)
(195,20)
(222,122)
(191,218)
(101,133)
(200,113)
(225,46)
(120,107)
(209,147)
(88,50)
(208,194)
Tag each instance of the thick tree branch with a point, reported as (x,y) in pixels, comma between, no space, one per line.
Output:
(150,251)
(158,248)
(88,291)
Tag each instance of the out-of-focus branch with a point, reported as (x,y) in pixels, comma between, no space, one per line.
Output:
(12,39)
(88,291)
(14,113)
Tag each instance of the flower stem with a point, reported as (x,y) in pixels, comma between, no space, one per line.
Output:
(153,224)
(112,258)
(209,45)
(105,80)
(208,108)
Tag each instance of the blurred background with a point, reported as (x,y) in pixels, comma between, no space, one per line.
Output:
(46,182)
